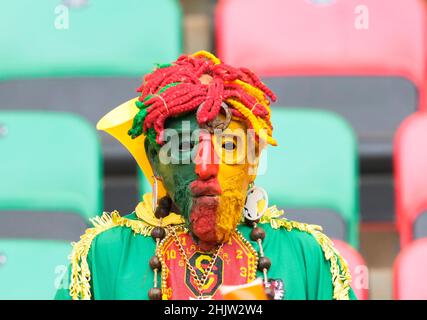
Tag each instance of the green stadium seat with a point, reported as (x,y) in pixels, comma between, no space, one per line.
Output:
(103,38)
(92,66)
(50,162)
(313,173)
(32,269)
(51,185)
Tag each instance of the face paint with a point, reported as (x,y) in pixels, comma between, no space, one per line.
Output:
(176,172)
(234,178)
(206,191)
(209,191)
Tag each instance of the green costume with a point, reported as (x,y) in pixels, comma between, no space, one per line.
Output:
(119,248)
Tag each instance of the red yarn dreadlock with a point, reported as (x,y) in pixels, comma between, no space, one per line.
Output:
(174,89)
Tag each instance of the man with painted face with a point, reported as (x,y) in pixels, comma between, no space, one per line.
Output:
(197,130)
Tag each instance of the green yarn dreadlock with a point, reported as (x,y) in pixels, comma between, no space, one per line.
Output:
(138,121)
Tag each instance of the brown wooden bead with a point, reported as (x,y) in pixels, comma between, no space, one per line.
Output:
(158,233)
(257,233)
(269,293)
(264,263)
(161,212)
(155,294)
(155,263)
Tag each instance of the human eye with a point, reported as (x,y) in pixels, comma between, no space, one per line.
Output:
(229,143)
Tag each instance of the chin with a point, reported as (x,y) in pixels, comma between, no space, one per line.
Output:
(203,221)
(213,219)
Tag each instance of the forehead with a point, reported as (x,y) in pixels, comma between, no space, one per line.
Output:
(188,120)
(181,122)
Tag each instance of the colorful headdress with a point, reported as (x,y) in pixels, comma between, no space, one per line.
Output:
(177,88)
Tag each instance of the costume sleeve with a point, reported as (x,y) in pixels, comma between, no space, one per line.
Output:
(327,273)
(78,281)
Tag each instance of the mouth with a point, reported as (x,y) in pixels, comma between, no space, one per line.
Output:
(205,202)
(209,188)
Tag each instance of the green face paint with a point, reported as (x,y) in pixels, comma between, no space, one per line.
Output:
(175,166)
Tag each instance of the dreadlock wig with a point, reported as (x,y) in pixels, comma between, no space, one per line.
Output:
(177,88)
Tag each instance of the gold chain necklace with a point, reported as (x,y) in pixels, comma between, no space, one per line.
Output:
(200,283)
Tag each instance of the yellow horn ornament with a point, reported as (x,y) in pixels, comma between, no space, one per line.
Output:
(117,123)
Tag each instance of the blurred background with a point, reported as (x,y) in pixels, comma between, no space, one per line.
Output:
(351,122)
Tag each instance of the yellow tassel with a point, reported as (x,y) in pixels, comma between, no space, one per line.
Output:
(80,271)
(207,55)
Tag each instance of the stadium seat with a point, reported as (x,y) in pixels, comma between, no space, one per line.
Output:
(411,178)
(91,66)
(319,54)
(313,173)
(31,269)
(51,185)
(50,163)
(358,269)
(410,272)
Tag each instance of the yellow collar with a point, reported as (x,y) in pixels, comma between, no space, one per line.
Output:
(144,211)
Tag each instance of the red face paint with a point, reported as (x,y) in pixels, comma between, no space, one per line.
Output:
(205,191)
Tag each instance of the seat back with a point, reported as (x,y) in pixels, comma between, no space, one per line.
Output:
(87,38)
(50,162)
(90,67)
(410,164)
(358,269)
(410,272)
(318,54)
(31,269)
(313,173)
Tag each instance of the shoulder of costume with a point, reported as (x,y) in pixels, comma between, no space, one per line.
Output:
(341,277)
(141,222)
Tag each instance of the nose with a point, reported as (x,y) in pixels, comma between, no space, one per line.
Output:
(206,159)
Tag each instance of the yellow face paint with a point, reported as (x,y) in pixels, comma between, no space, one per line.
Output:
(236,173)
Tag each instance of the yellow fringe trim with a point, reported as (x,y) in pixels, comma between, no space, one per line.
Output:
(341,277)
(80,271)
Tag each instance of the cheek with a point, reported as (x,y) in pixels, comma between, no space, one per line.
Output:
(234,178)
(176,179)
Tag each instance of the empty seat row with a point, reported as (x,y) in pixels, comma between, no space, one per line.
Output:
(366,61)
(362,62)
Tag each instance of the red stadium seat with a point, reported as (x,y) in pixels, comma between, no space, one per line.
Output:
(410,272)
(410,162)
(288,37)
(313,53)
(358,269)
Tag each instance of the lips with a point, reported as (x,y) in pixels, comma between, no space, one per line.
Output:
(204,210)
(201,188)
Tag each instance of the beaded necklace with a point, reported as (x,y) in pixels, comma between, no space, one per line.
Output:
(159,233)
